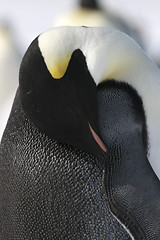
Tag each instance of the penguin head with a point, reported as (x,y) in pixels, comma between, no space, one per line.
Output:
(90,4)
(59,75)
(58,92)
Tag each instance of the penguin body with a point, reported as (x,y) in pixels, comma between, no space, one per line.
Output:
(76,176)
(52,191)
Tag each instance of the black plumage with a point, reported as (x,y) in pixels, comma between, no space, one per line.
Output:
(131,185)
(90,4)
(61,108)
(51,190)
(56,182)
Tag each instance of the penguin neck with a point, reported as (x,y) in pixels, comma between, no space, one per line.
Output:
(121,118)
(144,77)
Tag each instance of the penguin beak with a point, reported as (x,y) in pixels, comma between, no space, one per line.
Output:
(97,139)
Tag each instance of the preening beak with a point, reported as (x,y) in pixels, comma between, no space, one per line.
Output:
(98,140)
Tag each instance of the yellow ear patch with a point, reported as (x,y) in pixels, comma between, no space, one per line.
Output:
(58,68)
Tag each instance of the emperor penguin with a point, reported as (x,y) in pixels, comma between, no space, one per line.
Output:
(91,13)
(80,150)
